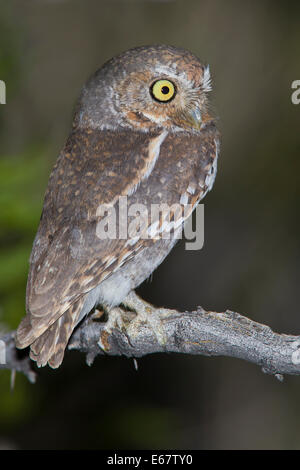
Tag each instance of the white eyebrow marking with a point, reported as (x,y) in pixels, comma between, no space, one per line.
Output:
(175,74)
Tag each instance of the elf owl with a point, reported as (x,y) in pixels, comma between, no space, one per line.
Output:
(142,131)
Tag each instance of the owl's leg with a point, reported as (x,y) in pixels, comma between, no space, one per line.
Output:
(130,321)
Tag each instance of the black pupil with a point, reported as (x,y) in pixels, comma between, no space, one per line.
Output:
(165,90)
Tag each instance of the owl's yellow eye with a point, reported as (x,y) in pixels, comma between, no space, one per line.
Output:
(163,90)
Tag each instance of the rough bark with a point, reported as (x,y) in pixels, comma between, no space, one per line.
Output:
(198,332)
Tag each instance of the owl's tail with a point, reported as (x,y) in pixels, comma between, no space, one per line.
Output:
(49,347)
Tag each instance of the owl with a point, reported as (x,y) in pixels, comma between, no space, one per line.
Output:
(142,133)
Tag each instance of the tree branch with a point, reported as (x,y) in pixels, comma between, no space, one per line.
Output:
(198,332)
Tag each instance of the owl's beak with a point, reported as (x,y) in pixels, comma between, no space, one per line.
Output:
(196,118)
(191,118)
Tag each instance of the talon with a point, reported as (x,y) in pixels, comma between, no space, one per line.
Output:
(143,313)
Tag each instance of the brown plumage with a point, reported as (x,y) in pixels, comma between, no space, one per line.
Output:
(123,143)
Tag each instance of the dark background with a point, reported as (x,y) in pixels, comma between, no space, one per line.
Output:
(250,260)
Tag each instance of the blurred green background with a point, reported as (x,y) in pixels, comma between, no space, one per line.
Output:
(250,261)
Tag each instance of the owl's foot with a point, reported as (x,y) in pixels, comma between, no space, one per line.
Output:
(146,314)
(138,313)
(116,320)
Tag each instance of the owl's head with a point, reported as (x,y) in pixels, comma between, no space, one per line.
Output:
(145,88)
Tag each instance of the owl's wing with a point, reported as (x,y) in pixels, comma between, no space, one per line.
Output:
(68,258)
